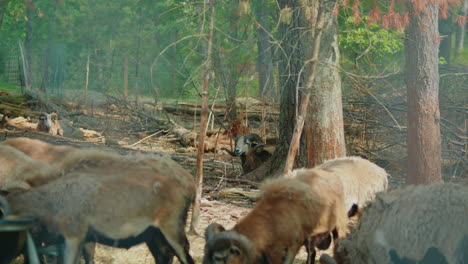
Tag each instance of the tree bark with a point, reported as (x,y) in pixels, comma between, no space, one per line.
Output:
(422,80)
(266,84)
(324,125)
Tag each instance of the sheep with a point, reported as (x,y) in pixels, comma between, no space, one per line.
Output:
(49,123)
(252,151)
(95,195)
(288,212)
(361,178)
(416,224)
(19,171)
(38,149)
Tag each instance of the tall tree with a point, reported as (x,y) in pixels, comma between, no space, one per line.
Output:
(422,81)
(460,40)
(266,84)
(28,56)
(3,6)
(309,64)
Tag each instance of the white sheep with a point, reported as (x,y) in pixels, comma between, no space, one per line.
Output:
(422,224)
(361,178)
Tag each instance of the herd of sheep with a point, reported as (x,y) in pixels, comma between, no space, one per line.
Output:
(84,196)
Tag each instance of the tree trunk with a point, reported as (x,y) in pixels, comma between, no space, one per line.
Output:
(46,65)
(266,87)
(87,79)
(3,6)
(30,7)
(207,73)
(461,29)
(324,125)
(125,88)
(445,29)
(422,80)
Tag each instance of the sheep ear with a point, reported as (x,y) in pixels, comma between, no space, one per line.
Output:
(212,230)
(54,116)
(353,210)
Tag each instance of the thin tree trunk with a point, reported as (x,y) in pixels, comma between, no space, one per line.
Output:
(125,88)
(266,86)
(87,80)
(445,29)
(461,29)
(30,7)
(422,80)
(3,6)
(48,50)
(203,120)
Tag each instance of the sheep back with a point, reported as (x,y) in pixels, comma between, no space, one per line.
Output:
(107,191)
(17,169)
(412,223)
(38,149)
(361,178)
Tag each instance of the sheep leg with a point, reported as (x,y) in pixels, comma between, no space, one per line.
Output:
(88,252)
(177,239)
(72,250)
(310,249)
(160,249)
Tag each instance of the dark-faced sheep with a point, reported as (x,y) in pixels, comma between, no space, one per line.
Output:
(251,151)
(96,194)
(49,123)
(38,149)
(423,224)
(288,212)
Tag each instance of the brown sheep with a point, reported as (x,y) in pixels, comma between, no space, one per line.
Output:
(288,212)
(49,123)
(361,180)
(98,194)
(19,171)
(38,149)
(252,151)
(422,224)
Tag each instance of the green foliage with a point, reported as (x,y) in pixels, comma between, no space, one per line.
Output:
(369,43)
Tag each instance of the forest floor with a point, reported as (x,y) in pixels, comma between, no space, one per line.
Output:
(226,197)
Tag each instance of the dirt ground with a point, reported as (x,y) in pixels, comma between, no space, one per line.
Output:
(226,197)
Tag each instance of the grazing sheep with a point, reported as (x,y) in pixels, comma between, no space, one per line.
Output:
(288,212)
(49,123)
(96,194)
(422,224)
(38,149)
(252,151)
(361,178)
(19,171)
